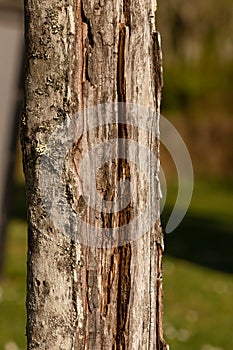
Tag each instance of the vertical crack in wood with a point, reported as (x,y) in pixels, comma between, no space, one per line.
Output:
(123,251)
(126,10)
(124,285)
(84,43)
(111,276)
(88,23)
(88,42)
(121,64)
(158,72)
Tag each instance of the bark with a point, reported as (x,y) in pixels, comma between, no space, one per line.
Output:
(91,296)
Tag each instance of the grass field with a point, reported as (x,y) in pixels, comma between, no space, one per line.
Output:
(12,289)
(198,305)
(198,280)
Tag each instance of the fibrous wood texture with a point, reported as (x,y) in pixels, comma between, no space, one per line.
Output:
(84,295)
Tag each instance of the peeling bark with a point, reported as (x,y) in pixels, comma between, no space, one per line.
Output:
(82,53)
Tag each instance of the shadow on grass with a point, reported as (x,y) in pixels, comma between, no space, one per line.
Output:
(203,240)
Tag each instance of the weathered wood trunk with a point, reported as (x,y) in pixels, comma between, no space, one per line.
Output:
(81,293)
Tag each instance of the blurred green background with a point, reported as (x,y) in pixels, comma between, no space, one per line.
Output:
(197,99)
(198,263)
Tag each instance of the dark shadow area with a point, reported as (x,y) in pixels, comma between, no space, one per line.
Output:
(202,240)
(18,202)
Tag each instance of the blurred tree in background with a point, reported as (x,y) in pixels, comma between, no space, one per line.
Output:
(198,72)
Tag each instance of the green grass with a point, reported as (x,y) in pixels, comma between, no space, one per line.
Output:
(12,289)
(198,305)
(198,293)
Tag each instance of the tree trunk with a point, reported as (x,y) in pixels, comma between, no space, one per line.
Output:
(94,278)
